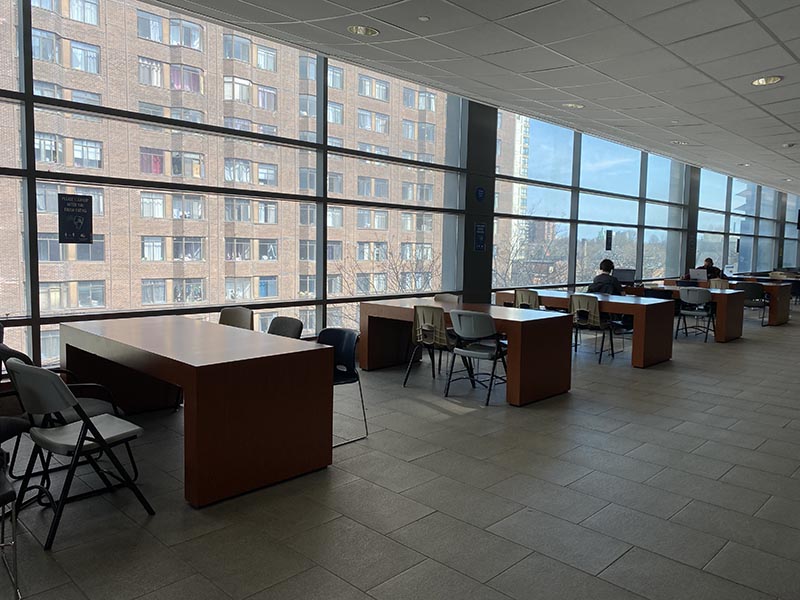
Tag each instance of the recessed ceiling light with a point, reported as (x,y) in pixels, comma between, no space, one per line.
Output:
(674,122)
(679,143)
(744,164)
(363,30)
(768,80)
(788,179)
(423,18)
(572,105)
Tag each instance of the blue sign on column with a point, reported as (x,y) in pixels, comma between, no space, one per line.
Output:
(74,219)
(479,244)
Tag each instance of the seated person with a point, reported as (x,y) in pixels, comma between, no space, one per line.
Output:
(713,272)
(605,282)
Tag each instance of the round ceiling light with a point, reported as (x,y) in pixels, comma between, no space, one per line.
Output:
(767,80)
(364,30)
(573,105)
(744,164)
(423,18)
(679,143)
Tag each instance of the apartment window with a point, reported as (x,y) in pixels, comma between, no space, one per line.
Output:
(188,164)
(373,187)
(150,72)
(188,206)
(267,174)
(49,248)
(237,210)
(85,98)
(335,142)
(186,114)
(151,109)
(52,296)
(47,89)
(309,318)
(265,319)
(267,213)
(85,11)
(236,88)
(363,283)
(308,214)
(334,284)
(372,121)
(334,250)
(236,47)
(151,160)
(335,78)
(238,288)
(152,248)
(409,130)
(308,106)
(335,216)
(237,169)
(45,5)
(51,347)
(85,57)
(91,294)
(307,66)
(185,78)
(335,183)
(268,249)
(308,250)
(186,34)
(187,248)
(266,58)
(238,249)
(46,46)
(417,221)
(427,132)
(307,136)
(152,205)
(415,251)
(409,98)
(48,148)
(188,290)
(87,153)
(307,286)
(98,198)
(268,129)
(268,286)
(154,291)
(46,197)
(267,98)
(335,113)
(426,101)
(308,179)
(419,192)
(94,252)
(148,26)
(373,88)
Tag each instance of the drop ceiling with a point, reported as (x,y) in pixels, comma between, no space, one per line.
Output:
(669,76)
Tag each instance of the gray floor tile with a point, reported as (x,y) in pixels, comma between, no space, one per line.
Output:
(597,439)
(758,570)
(541,578)
(780,510)
(373,506)
(624,492)
(233,559)
(776,485)
(401,446)
(550,498)
(647,419)
(554,470)
(387,471)
(463,547)
(282,516)
(38,569)
(703,418)
(64,592)
(657,535)
(749,458)
(575,545)
(709,490)
(195,587)
(660,578)
(667,439)
(407,424)
(734,438)
(474,472)
(462,501)
(778,448)
(744,529)
(314,584)
(480,447)
(682,461)
(433,581)
(783,434)
(614,464)
(355,553)
(748,415)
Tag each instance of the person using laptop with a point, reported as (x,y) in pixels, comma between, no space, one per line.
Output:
(605,282)
(713,272)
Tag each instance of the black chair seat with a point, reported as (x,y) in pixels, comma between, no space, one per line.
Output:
(7,492)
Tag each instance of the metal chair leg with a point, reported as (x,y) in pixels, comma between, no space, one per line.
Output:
(611,339)
(432,355)
(62,500)
(450,374)
(411,363)
(678,327)
(602,345)
(491,381)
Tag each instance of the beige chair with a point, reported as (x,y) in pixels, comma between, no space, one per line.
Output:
(719,284)
(236,316)
(526,299)
(430,331)
(585,309)
(447,298)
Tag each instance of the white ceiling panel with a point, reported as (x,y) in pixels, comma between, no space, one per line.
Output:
(570,77)
(498,10)
(595,47)
(786,24)
(765,7)
(486,39)
(359,5)
(609,90)
(388,33)
(421,49)
(534,58)
(301,11)
(640,64)
(670,80)
(689,20)
(723,43)
(757,62)
(309,31)
(442,17)
(628,10)
(560,21)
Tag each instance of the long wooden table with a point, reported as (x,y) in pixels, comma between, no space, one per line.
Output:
(652,321)
(258,408)
(539,343)
(729,309)
(780,297)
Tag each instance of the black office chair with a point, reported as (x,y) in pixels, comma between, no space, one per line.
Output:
(286,327)
(754,297)
(796,292)
(344,342)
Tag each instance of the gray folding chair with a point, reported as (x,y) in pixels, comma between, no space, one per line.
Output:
(45,396)
(526,299)
(696,302)
(585,309)
(447,298)
(754,297)
(286,326)
(429,331)
(236,316)
(10,427)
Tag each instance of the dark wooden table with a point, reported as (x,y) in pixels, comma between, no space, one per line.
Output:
(780,296)
(258,408)
(539,343)
(652,321)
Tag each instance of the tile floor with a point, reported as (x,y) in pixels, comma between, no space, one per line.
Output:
(677,482)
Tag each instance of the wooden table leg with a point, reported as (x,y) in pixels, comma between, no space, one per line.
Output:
(652,334)
(384,342)
(779,304)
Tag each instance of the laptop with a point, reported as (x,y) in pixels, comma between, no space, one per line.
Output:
(728,270)
(698,274)
(625,276)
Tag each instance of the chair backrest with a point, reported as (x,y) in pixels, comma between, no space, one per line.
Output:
(529,297)
(695,295)
(685,283)
(662,294)
(429,326)
(752,290)
(447,298)
(719,284)
(344,342)
(796,288)
(585,307)
(472,325)
(40,391)
(286,327)
(7,352)
(236,316)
